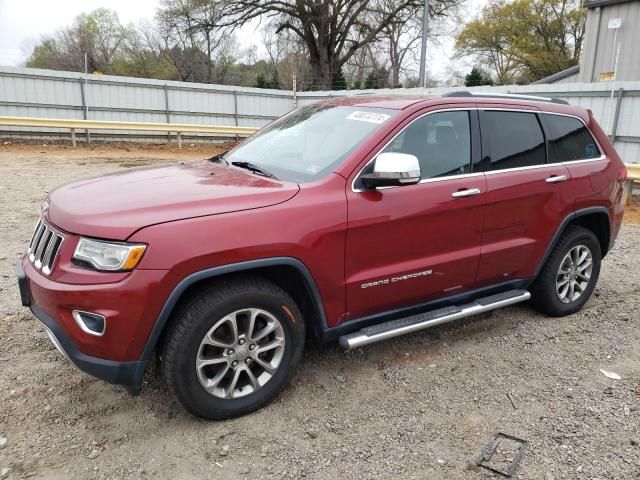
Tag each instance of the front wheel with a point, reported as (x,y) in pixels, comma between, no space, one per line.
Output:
(569,275)
(233,348)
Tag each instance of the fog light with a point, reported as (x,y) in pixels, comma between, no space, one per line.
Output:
(91,323)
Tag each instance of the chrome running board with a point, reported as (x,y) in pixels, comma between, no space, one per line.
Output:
(402,326)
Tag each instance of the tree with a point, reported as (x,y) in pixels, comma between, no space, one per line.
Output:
(143,55)
(193,26)
(98,34)
(525,40)
(400,39)
(477,77)
(332,30)
(339,81)
(262,82)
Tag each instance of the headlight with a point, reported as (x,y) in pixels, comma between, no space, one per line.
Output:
(107,255)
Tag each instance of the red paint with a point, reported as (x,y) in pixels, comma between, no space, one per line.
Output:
(201,215)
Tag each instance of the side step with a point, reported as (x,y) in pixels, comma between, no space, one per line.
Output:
(401,326)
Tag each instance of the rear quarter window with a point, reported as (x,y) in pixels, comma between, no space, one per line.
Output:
(569,139)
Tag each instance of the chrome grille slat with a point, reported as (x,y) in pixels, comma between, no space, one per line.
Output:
(35,241)
(33,238)
(49,255)
(44,247)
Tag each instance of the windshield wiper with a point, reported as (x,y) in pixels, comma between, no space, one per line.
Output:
(254,168)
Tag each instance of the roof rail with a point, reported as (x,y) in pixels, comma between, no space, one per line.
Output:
(467,93)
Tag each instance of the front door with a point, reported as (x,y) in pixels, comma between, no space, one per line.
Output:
(410,244)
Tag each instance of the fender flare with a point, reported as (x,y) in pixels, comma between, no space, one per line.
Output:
(209,273)
(560,230)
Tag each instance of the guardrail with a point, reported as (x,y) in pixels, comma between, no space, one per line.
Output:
(73,125)
(633,175)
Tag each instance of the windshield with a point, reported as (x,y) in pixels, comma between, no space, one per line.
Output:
(309,142)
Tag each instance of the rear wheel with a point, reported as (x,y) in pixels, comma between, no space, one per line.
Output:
(233,348)
(570,274)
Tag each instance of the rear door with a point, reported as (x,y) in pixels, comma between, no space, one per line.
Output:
(527,197)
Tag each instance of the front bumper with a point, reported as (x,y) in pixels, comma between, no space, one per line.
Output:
(68,339)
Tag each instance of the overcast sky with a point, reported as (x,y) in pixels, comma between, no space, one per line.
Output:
(24,22)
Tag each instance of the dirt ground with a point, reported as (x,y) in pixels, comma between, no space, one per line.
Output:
(421,406)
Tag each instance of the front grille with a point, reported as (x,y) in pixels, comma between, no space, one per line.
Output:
(44,247)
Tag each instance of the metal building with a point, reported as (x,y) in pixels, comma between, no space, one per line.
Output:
(611,47)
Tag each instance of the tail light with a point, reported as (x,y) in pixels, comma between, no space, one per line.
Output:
(622,174)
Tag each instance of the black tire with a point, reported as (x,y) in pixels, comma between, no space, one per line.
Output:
(199,314)
(543,291)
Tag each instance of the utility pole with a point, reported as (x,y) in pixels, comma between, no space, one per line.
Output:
(295,91)
(423,52)
(86,93)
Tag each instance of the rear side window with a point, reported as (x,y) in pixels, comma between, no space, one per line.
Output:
(440,141)
(513,139)
(569,139)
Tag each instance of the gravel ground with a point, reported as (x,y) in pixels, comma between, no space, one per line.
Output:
(421,406)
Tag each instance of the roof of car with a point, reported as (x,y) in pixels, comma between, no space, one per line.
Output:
(391,102)
(401,102)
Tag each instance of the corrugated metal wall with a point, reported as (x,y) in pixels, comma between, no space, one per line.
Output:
(598,53)
(46,93)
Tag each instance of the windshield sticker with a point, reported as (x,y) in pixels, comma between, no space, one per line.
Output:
(370,117)
(313,169)
(590,150)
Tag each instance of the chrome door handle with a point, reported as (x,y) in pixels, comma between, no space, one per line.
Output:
(556,179)
(469,192)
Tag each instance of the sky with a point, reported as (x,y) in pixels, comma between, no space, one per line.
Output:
(24,22)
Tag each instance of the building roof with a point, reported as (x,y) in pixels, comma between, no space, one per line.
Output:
(603,3)
(560,75)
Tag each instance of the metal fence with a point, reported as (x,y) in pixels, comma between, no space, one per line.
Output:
(68,95)
(52,94)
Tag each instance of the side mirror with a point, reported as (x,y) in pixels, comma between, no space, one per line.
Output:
(393,169)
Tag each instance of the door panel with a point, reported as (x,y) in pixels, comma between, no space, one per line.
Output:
(523,213)
(407,245)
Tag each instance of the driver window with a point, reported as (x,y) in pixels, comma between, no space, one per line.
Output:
(440,141)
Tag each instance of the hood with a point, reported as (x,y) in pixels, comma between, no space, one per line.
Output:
(114,206)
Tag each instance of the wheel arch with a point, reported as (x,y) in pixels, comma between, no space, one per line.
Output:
(288,273)
(596,219)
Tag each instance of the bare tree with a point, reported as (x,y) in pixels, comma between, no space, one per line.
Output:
(332,30)
(194,33)
(287,57)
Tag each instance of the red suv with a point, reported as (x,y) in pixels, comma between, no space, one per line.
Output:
(356,219)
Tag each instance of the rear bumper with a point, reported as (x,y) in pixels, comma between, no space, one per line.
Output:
(126,373)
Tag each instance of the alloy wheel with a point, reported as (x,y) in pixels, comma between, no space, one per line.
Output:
(240,353)
(574,274)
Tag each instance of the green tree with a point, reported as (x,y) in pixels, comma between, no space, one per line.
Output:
(262,82)
(476,77)
(98,34)
(525,40)
(371,82)
(339,81)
